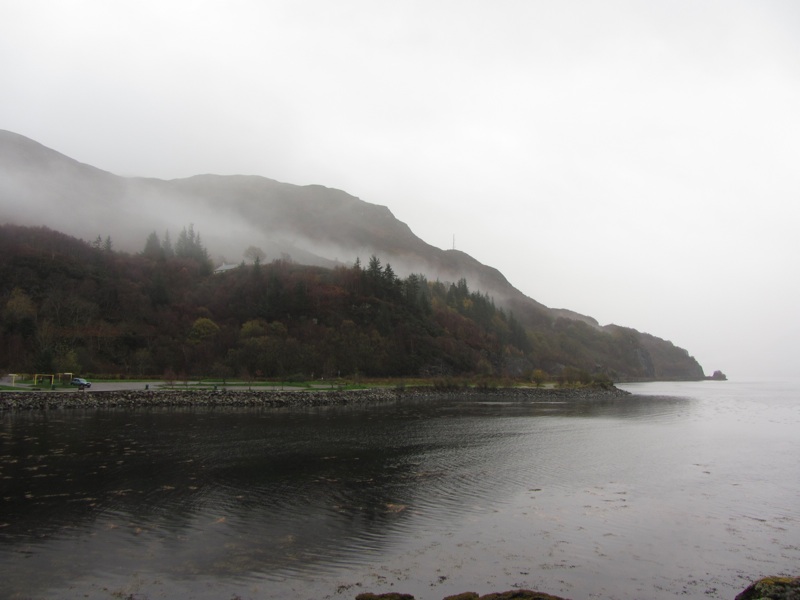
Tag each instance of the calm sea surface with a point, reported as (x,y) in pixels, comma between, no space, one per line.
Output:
(681,490)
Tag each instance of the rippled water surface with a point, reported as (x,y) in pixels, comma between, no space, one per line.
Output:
(683,490)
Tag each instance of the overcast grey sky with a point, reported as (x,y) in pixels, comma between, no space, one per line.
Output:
(634,161)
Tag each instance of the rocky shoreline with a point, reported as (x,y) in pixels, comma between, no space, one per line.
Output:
(768,588)
(49,400)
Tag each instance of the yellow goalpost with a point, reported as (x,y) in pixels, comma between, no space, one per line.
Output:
(42,376)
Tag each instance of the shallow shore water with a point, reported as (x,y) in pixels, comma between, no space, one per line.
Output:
(654,491)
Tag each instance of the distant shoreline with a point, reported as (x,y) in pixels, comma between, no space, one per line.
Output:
(51,400)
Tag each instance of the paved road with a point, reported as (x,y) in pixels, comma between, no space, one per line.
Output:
(109,386)
(102,386)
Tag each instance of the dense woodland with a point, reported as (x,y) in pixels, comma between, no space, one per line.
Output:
(72,306)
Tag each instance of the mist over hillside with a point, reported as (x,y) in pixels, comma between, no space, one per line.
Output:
(312,224)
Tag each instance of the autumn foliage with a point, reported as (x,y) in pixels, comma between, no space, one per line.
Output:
(68,305)
(71,306)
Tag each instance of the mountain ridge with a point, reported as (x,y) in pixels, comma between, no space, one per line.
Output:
(312,224)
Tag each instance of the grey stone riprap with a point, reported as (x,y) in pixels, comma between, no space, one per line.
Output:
(48,400)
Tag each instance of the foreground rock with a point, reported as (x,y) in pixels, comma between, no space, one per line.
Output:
(45,400)
(772,588)
(769,588)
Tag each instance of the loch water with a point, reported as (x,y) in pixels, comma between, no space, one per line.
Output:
(684,490)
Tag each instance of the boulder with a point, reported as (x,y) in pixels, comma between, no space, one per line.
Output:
(772,588)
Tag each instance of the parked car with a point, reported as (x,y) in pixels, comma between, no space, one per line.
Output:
(80,382)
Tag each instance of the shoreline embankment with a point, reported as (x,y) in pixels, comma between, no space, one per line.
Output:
(49,400)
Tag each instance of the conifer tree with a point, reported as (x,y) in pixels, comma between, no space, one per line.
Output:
(166,246)
(152,247)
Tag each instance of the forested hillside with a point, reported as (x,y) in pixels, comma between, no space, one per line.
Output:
(73,306)
(315,226)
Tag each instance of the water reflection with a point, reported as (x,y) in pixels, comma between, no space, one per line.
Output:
(276,495)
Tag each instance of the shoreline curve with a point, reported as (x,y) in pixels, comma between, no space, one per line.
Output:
(50,400)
